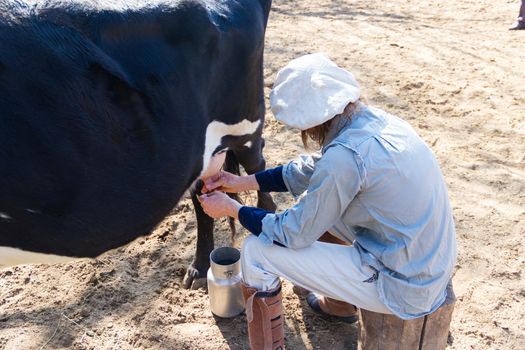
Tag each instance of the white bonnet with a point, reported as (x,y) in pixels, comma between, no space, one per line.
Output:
(310,90)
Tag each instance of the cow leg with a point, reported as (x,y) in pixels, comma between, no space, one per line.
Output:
(200,264)
(252,160)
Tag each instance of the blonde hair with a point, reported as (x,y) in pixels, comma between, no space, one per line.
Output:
(318,133)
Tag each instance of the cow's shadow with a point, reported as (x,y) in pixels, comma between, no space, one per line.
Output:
(140,286)
(141,292)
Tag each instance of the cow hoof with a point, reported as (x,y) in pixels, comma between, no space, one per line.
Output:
(193,279)
(199,283)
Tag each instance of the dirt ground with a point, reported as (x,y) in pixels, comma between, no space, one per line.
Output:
(450,68)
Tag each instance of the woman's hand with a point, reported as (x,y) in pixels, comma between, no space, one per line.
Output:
(218,204)
(231,183)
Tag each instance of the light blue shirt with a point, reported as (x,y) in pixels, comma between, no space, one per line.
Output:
(378,184)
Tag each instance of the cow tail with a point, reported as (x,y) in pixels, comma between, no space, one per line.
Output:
(231,165)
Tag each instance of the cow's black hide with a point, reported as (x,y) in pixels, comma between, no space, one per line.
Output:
(103,114)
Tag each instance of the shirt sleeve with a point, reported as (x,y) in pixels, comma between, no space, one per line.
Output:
(334,183)
(251,219)
(297,173)
(271,180)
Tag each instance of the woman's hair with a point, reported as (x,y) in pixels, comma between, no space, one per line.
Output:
(318,133)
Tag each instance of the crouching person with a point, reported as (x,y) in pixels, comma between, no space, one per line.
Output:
(374,184)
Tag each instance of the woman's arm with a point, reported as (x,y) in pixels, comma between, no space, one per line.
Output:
(333,185)
(231,183)
(269,180)
(293,177)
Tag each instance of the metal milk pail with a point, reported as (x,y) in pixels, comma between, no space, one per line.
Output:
(224,282)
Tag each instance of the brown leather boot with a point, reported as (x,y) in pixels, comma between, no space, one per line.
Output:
(332,308)
(327,237)
(265,316)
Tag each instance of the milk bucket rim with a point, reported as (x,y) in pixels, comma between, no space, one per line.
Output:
(235,251)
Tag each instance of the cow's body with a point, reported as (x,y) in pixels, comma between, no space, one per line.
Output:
(108,114)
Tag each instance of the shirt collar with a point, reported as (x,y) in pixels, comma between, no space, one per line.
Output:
(339,123)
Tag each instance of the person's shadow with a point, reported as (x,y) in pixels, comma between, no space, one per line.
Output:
(325,333)
(303,329)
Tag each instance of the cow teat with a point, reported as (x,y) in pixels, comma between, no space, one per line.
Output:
(214,165)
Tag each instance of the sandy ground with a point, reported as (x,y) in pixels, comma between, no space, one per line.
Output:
(451,69)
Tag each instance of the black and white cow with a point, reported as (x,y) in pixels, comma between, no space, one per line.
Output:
(111,110)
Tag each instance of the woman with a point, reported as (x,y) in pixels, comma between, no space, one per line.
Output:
(375,184)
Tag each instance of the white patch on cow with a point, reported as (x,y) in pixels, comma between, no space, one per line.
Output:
(216,131)
(248,144)
(14,256)
(4,216)
(33,211)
